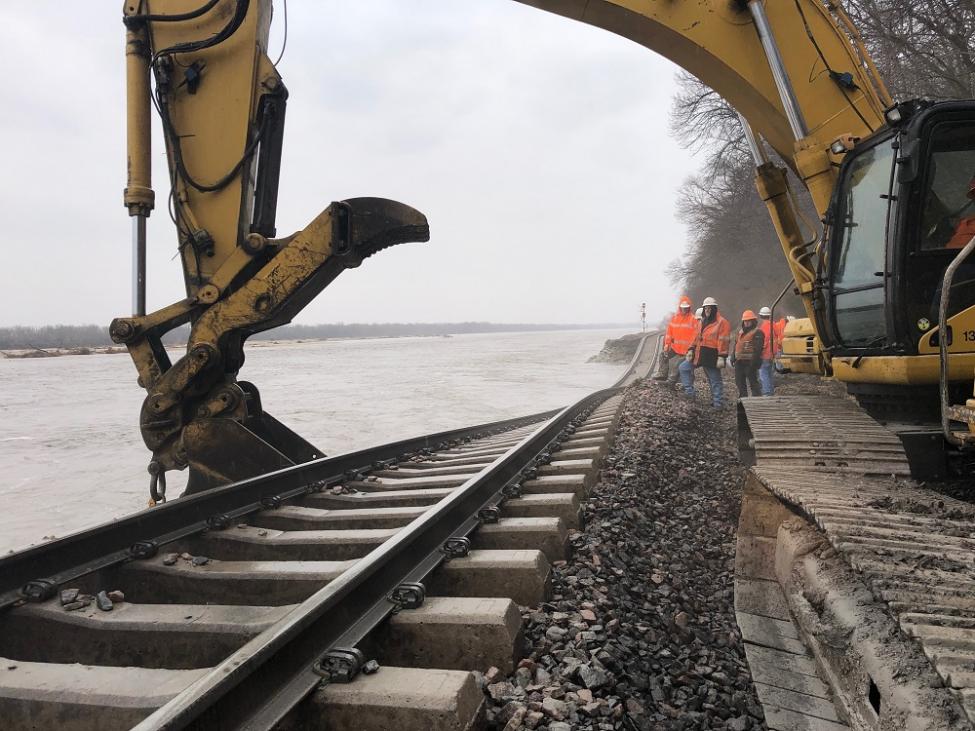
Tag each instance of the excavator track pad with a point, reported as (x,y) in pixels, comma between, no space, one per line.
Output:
(854,585)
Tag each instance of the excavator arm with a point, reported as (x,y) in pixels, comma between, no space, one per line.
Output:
(836,89)
(796,72)
(222,106)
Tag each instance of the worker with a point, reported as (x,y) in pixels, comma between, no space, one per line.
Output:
(766,370)
(677,340)
(965,226)
(710,351)
(747,354)
(778,334)
(689,356)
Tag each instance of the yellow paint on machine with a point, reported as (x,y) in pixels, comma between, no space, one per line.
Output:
(962,335)
(914,371)
(802,352)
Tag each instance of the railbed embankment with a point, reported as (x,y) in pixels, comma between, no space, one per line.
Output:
(640,632)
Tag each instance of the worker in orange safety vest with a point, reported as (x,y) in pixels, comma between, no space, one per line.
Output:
(709,351)
(773,337)
(698,314)
(778,333)
(965,228)
(680,334)
(747,355)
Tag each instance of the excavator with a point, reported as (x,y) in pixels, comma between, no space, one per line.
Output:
(850,577)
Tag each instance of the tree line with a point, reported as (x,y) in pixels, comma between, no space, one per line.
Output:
(923,48)
(93,336)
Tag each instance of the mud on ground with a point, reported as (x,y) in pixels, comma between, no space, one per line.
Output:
(958,487)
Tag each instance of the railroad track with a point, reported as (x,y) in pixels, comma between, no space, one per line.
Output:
(270,602)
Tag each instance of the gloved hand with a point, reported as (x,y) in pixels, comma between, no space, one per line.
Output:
(731,360)
(722,362)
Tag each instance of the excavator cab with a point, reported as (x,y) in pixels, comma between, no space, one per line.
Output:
(902,209)
(899,215)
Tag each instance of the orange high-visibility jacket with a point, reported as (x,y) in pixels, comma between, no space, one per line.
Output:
(745,345)
(766,327)
(681,330)
(963,233)
(715,335)
(778,329)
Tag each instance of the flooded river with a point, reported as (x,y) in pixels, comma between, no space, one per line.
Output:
(71,455)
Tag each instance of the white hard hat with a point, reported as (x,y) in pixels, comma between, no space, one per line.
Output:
(765,312)
(710,302)
(699,313)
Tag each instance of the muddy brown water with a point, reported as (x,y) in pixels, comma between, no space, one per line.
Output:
(71,455)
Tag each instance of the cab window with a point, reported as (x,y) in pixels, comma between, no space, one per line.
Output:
(948,200)
(860,262)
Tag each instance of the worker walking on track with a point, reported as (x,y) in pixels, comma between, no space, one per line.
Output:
(766,372)
(710,351)
(747,354)
(681,331)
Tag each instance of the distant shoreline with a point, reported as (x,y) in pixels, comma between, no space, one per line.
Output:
(23,343)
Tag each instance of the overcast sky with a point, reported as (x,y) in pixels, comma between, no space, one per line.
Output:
(537,147)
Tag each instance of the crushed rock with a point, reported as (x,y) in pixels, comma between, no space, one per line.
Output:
(640,632)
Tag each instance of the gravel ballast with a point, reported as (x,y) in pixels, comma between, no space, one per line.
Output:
(640,632)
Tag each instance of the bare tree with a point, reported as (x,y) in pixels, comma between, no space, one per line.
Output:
(923,48)
(733,253)
(703,121)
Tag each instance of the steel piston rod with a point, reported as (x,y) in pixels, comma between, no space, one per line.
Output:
(754,146)
(138,265)
(783,84)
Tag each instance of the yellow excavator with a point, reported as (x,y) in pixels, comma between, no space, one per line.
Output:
(890,181)
(888,288)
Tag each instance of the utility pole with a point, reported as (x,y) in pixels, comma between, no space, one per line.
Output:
(643,317)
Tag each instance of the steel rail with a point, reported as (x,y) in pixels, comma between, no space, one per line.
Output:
(36,572)
(140,534)
(259,684)
(265,679)
(631,373)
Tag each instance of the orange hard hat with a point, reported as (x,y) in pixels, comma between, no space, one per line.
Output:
(684,301)
(748,315)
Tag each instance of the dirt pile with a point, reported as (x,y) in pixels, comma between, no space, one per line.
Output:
(618,350)
(640,632)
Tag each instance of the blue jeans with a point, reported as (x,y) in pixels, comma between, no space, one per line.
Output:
(686,370)
(765,378)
